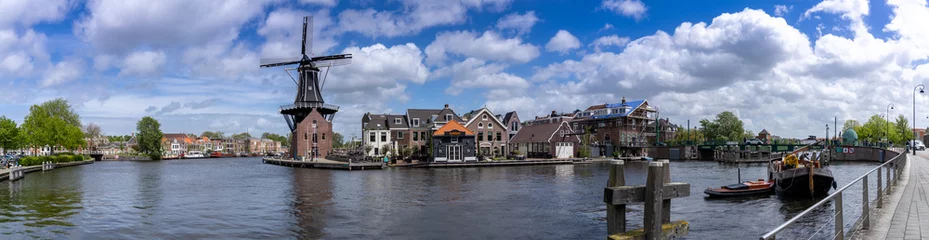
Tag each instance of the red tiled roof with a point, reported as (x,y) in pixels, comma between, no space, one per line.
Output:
(452,126)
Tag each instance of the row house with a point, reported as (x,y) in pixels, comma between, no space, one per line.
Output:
(263,146)
(626,128)
(547,140)
(175,145)
(491,134)
(511,119)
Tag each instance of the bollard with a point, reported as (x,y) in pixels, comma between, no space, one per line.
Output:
(879,195)
(839,227)
(865,211)
(666,210)
(653,209)
(616,215)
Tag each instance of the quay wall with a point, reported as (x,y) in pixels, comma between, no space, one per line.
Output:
(5,174)
(858,153)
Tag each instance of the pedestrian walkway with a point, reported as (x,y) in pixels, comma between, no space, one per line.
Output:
(906,210)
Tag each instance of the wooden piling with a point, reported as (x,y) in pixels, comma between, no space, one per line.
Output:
(653,209)
(666,210)
(616,214)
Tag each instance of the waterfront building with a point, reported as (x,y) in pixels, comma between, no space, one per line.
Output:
(548,140)
(624,128)
(554,117)
(174,145)
(376,134)
(511,119)
(491,134)
(421,124)
(263,146)
(453,142)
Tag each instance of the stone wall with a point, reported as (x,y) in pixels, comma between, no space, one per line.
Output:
(855,153)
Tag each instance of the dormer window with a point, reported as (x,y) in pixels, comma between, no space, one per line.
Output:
(480,125)
(484,117)
(416,122)
(448,117)
(396,120)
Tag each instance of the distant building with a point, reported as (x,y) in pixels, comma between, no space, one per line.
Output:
(174,145)
(550,140)
(491,133)
(453,142)
(625,127)
(764,136)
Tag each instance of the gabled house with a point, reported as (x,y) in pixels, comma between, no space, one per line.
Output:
(551,140)
(453,142)
(175,144)
(420,122)
(512,123)
(491,134)
(375,133)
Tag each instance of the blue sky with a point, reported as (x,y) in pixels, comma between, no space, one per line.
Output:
(786,66)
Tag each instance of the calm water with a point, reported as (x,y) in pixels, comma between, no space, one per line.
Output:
(242,198)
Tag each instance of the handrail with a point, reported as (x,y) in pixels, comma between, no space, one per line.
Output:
(772,233)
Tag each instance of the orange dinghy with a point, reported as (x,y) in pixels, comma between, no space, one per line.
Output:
(742,189)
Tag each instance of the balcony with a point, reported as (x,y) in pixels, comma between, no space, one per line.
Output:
(323,107)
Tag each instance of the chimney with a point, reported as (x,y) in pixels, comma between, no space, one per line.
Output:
(624,100)
(446,106)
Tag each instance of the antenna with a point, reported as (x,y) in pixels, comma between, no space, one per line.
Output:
(303,43)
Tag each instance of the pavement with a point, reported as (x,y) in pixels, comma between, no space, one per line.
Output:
(906,210)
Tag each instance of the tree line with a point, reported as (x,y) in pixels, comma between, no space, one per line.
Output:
(877,129)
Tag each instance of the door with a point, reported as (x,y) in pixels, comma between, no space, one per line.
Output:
(454,153)
(564,149)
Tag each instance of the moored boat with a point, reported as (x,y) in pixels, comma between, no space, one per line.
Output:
(801,174)
(746,188)
(193,154)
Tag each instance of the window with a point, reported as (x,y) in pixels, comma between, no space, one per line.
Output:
(314,138)
(490,136)
(383,136)
(515,126)
(455,139)
(498,137)
(490,125)
(314,123)
(562,133)
(399,135)
(480,136)
(606,137)
(396,120)
(448,117)
(415,136)
(480,125)
(484,117)
(416,122)
(324,136)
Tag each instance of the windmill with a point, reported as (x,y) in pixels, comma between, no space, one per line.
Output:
(309,118)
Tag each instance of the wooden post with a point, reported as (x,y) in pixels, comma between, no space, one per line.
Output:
(653,209)
(666,210)
(616,214)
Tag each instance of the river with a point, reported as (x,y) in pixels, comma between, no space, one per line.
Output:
(243,198)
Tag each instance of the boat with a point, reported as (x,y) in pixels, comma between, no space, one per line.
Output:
(747,188)
(193,154)
(801,174)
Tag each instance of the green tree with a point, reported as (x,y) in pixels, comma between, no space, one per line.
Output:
(285,142)
(876,129)
(53,123)
(337,140)
(584,152)
(904,133)
(241,136)
(150,137)
(213,135)
(10,136)
(850,124)
(726,127)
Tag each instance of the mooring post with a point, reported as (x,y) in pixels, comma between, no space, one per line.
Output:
(653,209)
(879,195)
(616,214)
(865,210)
(666,210)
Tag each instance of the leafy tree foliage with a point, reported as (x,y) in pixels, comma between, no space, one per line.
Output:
(876,129)
(213,135)
(726,127)
(850,124)
(10,136)
(149,137)
(337,140)
(241,136)
(53,123)
(273,136)
(904,133)
(683,136)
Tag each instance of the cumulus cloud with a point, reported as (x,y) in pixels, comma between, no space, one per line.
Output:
(521,23)
(781,10)
(562,42)
(63,72)
(852,10)
(28,12)
(475,73)
(607,41)
(489,46)
(143,63)
(20,54)
(629,8)
(327,3)
(283,31)
(605,27)
(415,16)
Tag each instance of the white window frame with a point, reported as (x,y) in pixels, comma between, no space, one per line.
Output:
(396,120)
(399,135)
(484,117)
(448,117)
(480,125)
(490,125)
(454,139)
(415,122)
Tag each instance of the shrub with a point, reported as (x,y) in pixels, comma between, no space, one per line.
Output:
(29,161)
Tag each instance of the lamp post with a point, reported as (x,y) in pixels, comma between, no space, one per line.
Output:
(887,120)
(921,88)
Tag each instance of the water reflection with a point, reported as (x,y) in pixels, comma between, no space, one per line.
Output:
(312,199)
(45,211)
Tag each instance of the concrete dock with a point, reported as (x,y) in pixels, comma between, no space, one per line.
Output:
(495,163)
(324,163)
(905,214)
(5,173)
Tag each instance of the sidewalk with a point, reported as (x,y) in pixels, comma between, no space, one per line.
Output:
(906,210)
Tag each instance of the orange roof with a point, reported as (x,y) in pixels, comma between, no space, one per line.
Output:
(452,125)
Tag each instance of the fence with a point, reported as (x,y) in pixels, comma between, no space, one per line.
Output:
(896,164)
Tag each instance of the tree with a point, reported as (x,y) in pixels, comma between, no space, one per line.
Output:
(584,152)
(748,134)
(337,140)
(92,131)
(684,136)
(213,135)
(53,123)
(10,136)
(726,127)
(273,136)
(876,129)
(149,137)
(241,136)
(904,133)
(850,124)
(385,149)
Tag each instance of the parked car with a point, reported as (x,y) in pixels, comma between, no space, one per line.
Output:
(919,145)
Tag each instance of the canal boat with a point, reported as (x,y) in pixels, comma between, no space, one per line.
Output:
(801,174)
(747,188)
(193,154)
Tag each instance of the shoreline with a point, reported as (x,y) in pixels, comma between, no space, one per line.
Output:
(5,175)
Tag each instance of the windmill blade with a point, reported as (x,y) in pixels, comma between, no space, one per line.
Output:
(274,62)
(303,41)
(309,41)
(333,60)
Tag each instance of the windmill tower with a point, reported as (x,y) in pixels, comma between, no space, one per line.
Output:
(309,118)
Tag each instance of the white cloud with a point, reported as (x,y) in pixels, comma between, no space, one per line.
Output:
(852,10)
(328,3)
(221,61)
(475,73)
(489,46)
(605,27)
(377,66)
(521,23)
(781,10)
(415,16)
(562,42)
(630,8)
(283,30)
(607,41)
(143,63)
(63,72)
(21,54)
(29,12)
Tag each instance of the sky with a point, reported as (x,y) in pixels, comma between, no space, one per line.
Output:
(791,67)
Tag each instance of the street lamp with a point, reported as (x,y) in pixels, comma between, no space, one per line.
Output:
(913,142)
(887,119)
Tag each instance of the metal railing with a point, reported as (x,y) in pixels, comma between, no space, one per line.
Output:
(308,105)
(897,163)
